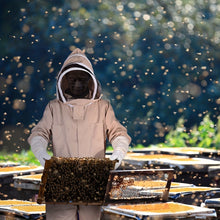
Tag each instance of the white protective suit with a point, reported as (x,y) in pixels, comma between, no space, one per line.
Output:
(78,128)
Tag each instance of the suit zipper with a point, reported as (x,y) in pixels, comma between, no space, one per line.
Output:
(77,138)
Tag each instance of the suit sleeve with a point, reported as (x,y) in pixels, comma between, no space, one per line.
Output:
(114,127)
(43,128)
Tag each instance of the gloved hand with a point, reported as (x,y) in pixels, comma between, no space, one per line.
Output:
(117,155)
(39,148)
(120,149)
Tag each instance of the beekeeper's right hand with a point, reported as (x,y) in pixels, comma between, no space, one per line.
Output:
(39,148)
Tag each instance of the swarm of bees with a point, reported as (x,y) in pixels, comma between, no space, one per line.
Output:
(75,180)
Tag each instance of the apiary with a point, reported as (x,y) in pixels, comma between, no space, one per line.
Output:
(21,209)
(75,180)
(31,182)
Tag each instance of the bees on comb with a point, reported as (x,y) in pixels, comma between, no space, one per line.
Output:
(75,180)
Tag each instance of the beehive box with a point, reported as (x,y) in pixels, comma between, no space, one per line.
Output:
(183,163)
(167,210)
(189,195)
(21,209)
(31,182)
(75,180)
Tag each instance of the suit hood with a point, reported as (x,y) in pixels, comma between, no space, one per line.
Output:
(77,60)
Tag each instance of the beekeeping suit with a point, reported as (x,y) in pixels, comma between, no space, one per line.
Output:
(78,122)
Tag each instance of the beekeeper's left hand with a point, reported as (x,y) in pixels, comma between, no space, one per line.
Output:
(120,149)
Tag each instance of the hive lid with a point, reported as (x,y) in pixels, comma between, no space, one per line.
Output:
(121,185)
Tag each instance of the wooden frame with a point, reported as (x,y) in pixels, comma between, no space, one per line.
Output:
(143,172)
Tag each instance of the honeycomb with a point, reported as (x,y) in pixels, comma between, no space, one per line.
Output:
(30,208)
(190,189)
(75,180)
(152,183)
(156,156)
(185,189)
(31,177)
(16,168)
(14,202)
(158,207)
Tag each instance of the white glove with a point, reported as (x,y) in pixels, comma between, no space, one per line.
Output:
(120,149)
(39,148)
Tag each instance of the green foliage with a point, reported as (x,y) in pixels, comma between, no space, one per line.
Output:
(138,146)
(206,135)
(206,132)
(177,137)
(24,157)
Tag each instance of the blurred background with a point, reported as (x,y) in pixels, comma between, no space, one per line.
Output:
(157,60)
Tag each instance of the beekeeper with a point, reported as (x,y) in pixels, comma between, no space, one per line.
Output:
(78,122)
